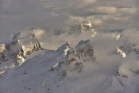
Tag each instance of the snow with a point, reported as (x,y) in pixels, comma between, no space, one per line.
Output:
(92,66)
(84,26)
(1,73)
(121,52)
(118,37)
(2,47)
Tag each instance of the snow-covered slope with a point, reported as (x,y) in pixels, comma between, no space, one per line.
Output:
(92,66)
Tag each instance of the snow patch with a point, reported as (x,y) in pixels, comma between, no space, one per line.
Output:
(121,52)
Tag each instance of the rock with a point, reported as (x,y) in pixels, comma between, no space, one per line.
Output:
(18,48)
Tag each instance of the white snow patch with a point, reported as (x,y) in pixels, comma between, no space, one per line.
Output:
(121,52)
